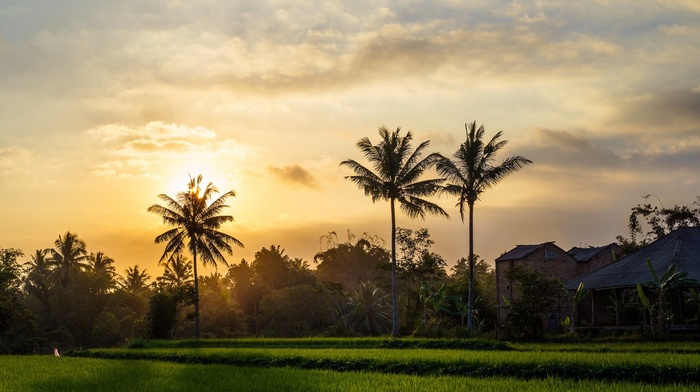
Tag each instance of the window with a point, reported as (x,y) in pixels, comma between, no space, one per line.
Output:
(549,254)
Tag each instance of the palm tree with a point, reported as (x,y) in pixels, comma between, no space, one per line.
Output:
(470,173)
(395,178)
(69,254)
(178,272)
(103,267)
(135,281)
(195,224)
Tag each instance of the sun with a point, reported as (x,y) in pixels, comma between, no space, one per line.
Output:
(180,178)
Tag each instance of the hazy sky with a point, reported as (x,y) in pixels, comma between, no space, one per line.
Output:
(105,104)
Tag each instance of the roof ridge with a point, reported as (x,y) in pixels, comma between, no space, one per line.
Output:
(679,245)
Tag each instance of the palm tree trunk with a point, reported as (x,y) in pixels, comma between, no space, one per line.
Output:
(394,290)
(470,300)
(196,296)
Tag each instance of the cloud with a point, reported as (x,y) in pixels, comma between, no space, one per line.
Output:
(294,175)
(667,108)
(561,149)
(132,151)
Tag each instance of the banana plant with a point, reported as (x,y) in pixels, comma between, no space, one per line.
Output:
(657,305)
(578,296)
(436,299)
(693,297)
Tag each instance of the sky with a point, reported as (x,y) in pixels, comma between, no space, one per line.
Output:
(105,104)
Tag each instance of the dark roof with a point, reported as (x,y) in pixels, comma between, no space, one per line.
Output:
(681,247)
(520,252)
(585,254)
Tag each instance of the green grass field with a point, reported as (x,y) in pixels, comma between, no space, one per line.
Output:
(46,373)
(359,364)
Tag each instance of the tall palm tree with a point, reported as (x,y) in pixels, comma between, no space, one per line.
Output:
(470,173)
(178,272)
(69,254)
(195,224)
(397,169)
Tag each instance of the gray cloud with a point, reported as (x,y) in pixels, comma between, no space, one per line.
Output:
(294,175)
(566,149)
(668,109)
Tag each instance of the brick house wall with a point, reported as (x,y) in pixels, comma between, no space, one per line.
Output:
(547,258)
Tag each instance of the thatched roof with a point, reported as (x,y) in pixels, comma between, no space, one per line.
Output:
(681,248)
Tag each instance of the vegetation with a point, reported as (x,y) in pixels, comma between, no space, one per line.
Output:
(604,362)
(658,306)
(470,173)
(70,296)
(196,222)
(536,295)
(89,374)
(648,223)
(396,178)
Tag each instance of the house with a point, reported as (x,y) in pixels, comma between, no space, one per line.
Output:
(546,257)
(613,287)
(593,257)
(553,261)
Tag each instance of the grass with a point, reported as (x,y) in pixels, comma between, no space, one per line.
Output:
(47,373)
(658,363)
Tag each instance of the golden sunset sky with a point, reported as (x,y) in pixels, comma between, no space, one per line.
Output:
(105,104)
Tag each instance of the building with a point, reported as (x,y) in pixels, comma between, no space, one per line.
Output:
(613,287)
(553,261)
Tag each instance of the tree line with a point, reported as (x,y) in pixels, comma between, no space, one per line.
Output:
(66,296)
(77,298)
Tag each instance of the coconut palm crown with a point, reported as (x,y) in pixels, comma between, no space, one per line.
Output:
(396,177)
(469,174)
(195,224)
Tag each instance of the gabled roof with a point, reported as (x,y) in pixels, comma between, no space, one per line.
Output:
(681,248)
(520,252)
(585,254)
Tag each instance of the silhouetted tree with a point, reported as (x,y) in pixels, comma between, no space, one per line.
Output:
(18,328)
(223,318)
(658,221)
(37,277)
(274,270)
(196,225)
(350,264)
(245,292)
(472,172)
(162,315)
(295,311)
(484,286)
(536,295)
(177,273)
(416,265)
(69,253)
(102,266)
(135,281)
(396,174)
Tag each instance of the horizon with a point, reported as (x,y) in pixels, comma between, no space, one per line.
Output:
(106,106)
